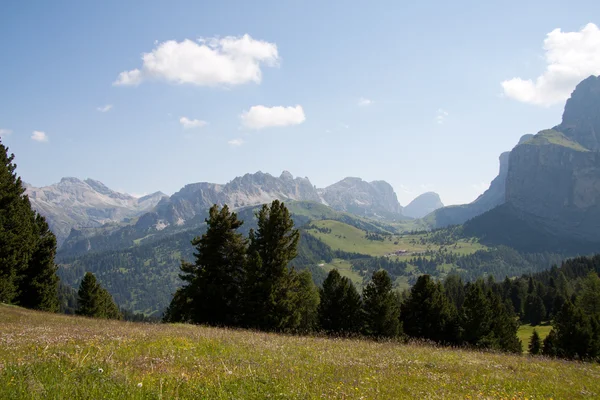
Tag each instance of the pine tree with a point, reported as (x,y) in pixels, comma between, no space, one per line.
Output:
(589,299)
(305,303)
(535,344)
(503,327)
(428,314)
(39,282)
(17,234)
(268,289)
(340,310)
(95,301)
(535,311)
(550,347)
(575,336)
(476,315)
(213,288)
(27,246)
(381,313)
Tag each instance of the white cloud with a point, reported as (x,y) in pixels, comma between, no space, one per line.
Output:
(363,102)
(571,57)
(440,116)
(208,62)
(5,132)
(105,108)
(236,142)
(191,123)
(39,136)
(259,117)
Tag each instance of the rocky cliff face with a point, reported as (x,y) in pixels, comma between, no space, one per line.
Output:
(73,203)
(553,178)
(423,205)
(492,197)
(248,190)
(370,199)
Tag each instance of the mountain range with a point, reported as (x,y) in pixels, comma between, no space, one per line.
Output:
(82,204)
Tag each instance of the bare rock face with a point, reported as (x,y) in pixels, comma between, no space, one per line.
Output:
(248,190)
(73,203)
(370,199)
(423,205)
(581,118)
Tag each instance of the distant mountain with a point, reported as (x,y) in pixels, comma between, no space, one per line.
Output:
(73,203)
(248,190)
(370,199)
(553,182)
(423,205)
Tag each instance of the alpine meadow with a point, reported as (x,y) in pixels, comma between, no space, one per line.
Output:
(433,246)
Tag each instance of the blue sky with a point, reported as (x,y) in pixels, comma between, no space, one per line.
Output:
(408,93)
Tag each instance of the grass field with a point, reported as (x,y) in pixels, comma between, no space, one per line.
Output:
(525,332)
(351,239)
(345,269)
(45,356)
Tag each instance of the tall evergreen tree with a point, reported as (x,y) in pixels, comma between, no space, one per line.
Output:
(305,303)
(535,344)
(381,312)
(95,301)
(476,315)
(39,282)
(589,299)
(340,310)
(455,290)
(503,327)
(213,284)
(550,345)
(535,311)
(427,313)
(27,246)
(575,333)
(268,289)
(16,228)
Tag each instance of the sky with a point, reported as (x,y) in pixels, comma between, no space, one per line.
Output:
(153,95)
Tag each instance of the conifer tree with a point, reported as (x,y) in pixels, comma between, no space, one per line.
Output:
(503,327)
(535,311)
(535,344)
(268,289)
(340,309)
(427,313)
(27,246)
(575,334)
(381,313)
(39,282)
(95,301)
(16,228)
(550,347)
(213,288)
(476,315)
(305,303)
(589,299)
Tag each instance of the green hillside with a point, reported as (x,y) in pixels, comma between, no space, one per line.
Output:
(551,136)
(50,356)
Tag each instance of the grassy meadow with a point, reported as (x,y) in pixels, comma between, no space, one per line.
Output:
(525,332)
(48,356)
(351,239)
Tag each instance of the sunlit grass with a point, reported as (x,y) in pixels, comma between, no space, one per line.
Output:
(525,331)
(49,356)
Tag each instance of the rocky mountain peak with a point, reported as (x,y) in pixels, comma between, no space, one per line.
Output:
(581,117)
(423,205)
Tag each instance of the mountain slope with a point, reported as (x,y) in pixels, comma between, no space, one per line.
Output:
(423,205)
(370,199)
(75,203)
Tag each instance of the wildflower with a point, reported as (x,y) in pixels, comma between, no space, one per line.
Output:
(139,385)
(100,370)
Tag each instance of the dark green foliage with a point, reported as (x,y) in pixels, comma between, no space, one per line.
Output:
(213,284)
(267,291)
(589,298)
(95,301)
(576,333)
(340,310)
(550,348)
(381,312)
(428,314)
(27,247)
(305,301)
(39,282)
(535,344)
(535,311)
(455,290)
(67,299)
